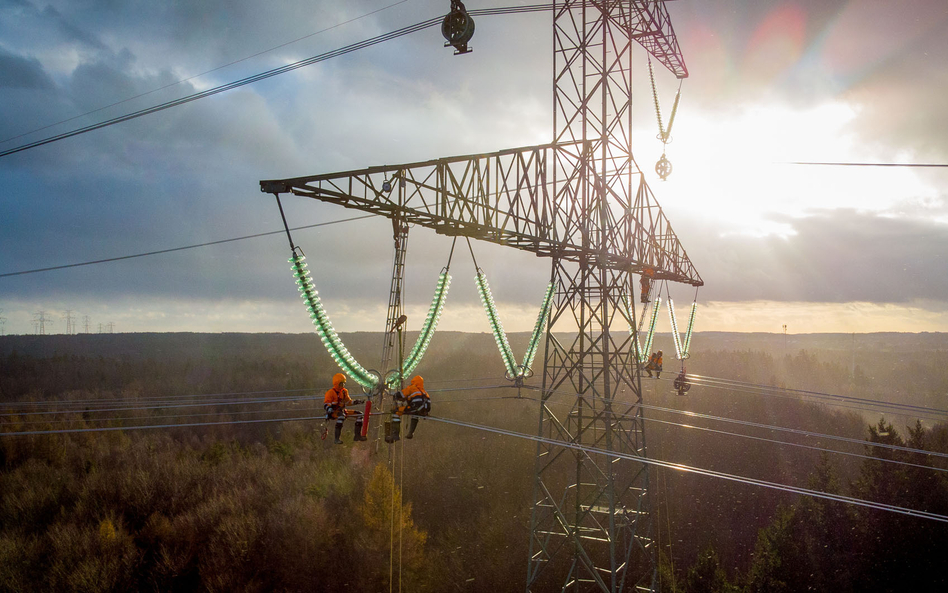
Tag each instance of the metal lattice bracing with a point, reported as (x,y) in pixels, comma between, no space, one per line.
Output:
(583,202)
(507,197)
(591,523)
(395,306)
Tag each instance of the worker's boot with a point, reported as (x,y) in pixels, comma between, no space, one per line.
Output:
(357,435)
(411,427)
(394,434)
(338,434)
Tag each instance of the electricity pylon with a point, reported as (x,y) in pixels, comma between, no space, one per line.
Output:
(583,202)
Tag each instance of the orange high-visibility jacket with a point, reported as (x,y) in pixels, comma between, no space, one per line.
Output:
(338,395)
(415,389)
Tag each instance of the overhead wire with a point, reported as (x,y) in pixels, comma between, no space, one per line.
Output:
(801,432)
(198,245)
(780,442)
(700,471)
(189,78)
(154,426)
(168,397)
(155,407)
(173,249)
(271,73)
(803,393)
(539,439)
(845,164)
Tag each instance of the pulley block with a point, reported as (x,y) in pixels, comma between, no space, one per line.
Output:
(458,28)
(663,167)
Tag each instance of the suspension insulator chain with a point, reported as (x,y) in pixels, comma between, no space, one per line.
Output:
(538,328)
(430,324)
(676,338)
(498,330)
(324,328)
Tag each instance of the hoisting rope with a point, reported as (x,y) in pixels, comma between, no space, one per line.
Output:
(514,371)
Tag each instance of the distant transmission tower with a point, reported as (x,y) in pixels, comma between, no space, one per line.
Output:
(582,202)
(40,319)
(70,322)
(85,324)
(3,321)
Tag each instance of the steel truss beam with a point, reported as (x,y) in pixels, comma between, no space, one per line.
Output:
(513,198)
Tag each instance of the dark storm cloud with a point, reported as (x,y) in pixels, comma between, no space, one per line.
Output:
(18,72)
(71,32)
(836,256)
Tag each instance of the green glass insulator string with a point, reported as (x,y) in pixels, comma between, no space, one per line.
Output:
(538,328)
(514,370)
(431,323)
(691,325)
(330,339)
(674,327)
(498,330)
(643,352)
(635,339)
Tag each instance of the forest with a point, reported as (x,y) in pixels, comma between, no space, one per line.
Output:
(235,488)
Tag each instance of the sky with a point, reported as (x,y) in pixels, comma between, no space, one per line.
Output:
(815,248)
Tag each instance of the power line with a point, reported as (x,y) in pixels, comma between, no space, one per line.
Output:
(151,426)
(801,432)
(865,403)
(575,446)
(841,164)
(539,439)
(779,442)
(701,471)
(271,73)
(161,88)
(160,251)
(108,401)
(161,407)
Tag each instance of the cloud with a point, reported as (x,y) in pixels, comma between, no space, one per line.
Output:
(19,72)
(834,256)
(190,174)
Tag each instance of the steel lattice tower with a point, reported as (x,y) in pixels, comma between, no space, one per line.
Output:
(583,202)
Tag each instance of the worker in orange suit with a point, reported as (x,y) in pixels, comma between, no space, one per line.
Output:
(414,401)
(335,404)
(654,364)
